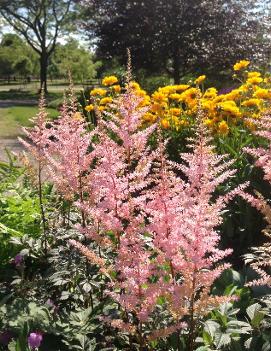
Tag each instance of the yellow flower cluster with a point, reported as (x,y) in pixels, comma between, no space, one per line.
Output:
(175,106)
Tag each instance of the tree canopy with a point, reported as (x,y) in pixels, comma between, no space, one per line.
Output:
(40,22)
(176,36)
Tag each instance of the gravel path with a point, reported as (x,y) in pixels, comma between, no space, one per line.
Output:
(12,145)
(10,103)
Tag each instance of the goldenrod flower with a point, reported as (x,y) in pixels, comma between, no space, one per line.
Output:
(175,96)
(98,91)
(116,88)
(89,108)
(210,93)
(182,87)
(165,123)
(134,85)
(223,128)
(175,111)
(200,79)
(254,80)
(241,65)
(230,107)
(159,97)
(253,74)
(251,103)
(106,100)
(262,94)
(107,81)
(209,122)
(77,116)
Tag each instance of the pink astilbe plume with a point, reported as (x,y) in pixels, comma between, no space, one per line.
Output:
(37,136)
(122,164)
(68,156)
(260,258)
(184,217)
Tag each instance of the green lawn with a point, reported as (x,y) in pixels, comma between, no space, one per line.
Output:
(12,118)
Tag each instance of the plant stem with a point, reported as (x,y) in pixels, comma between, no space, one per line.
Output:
(45,239)
(191,335)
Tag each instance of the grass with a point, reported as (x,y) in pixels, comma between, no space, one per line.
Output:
(27,95)
(13,118)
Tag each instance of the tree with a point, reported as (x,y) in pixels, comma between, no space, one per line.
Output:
(179,35)
(16,57)
(40,22)
(71,57)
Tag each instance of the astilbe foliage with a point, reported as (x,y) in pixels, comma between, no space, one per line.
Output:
(260,258)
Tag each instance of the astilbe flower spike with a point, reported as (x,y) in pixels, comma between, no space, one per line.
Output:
(183,219)
(122,165)
(68,157)
(37,135)
(260,258)
(37,145)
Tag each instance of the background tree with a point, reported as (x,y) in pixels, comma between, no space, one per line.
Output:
(16,57)
(176,35)
(40,22)
(71,57)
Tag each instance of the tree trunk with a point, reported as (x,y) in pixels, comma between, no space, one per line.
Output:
(43,71)
(176,63)
(176,68)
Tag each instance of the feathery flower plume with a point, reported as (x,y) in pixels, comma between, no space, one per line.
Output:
(260,258)
(183,220)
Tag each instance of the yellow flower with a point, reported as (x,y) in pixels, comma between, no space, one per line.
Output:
(234,94)
(250,124)
(190,94)
(209,122)
(134,85)
(200,79)
(181,87)
(175,111)
(106,100)
(78,116)
(208,105)
(251,103)
(98,91)
(223,128)
(262,94)
(89,108)
(254,80)
(210,93)
(145,101)
(149,117)
(175,96)
(101,108)
(159,97)
(116,88)
(253,74)
(241,65)
(229,107)
(107,81)
(165,123)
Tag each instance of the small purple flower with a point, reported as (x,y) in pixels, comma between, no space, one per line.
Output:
(50,303)
(225,90)
(5,337)
(34,340)
(18,260)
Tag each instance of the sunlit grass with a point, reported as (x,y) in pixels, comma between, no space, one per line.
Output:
(13,118)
